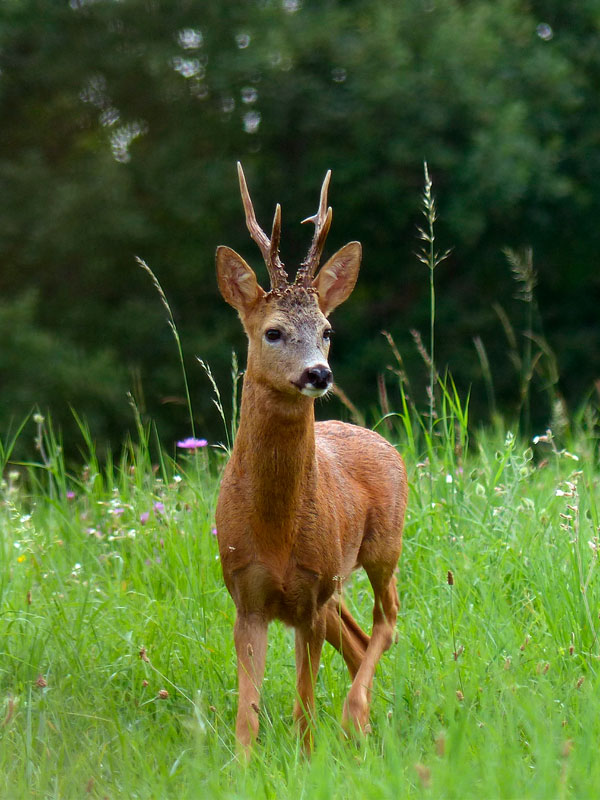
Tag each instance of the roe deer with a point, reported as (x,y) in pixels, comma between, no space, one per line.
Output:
(302,504)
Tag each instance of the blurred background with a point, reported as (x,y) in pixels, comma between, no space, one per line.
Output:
(122,120)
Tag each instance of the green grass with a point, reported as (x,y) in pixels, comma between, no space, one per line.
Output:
(491,691)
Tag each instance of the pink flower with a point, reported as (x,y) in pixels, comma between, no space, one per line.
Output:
(191,443)
(70,495)
(144,516)
(159,508)
(214,531)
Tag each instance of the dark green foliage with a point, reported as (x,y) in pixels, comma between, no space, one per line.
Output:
(108,151)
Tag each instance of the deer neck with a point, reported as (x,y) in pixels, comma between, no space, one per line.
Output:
(275,449)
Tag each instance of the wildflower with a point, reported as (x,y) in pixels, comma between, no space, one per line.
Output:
(191,443)
(542,438)
(213,531)
(572,456)
(41,682)
(163,694)
(70,495)
(38,419)
(144,517)
(159,508)
(144,683)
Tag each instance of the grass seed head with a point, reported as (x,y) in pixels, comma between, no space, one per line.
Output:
(424,774)
(440,744)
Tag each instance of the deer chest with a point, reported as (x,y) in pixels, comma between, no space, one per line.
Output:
(293,594)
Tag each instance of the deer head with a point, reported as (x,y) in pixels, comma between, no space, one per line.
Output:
(287,326)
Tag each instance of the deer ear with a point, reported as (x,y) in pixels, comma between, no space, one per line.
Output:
(237,281)
(337,277)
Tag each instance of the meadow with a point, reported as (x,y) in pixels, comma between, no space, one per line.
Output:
(117,667)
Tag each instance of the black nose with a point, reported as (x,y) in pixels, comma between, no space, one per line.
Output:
(319,377)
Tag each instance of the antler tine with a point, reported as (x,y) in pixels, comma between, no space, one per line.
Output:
(275,237)
(268,247)
(322,222)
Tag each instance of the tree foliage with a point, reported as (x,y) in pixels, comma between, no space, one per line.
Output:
(122,122)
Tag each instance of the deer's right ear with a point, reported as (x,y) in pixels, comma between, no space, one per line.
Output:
(237,281)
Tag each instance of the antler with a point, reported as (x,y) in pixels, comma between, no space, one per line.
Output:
(268,247)
(322,223)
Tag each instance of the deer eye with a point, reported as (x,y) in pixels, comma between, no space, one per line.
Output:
(273,335)
(327,334)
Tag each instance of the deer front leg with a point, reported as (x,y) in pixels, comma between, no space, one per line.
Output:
(355,715)
(309,643)
(250,636)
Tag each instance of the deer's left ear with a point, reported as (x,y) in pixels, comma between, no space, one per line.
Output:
(337,278)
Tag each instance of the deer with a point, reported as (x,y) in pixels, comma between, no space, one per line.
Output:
(302,503)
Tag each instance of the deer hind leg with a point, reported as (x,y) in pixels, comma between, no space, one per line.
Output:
(250,636)
(309,643)
(355,715)
(345,634)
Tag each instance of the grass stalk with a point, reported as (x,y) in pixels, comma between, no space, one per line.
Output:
(429,256)
(171,320)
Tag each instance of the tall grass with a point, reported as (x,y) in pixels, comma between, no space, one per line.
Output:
(117,668)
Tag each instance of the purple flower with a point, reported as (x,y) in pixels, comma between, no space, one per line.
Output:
(70,495)
(159,508)
(213,531)
(144,517)
(191,443)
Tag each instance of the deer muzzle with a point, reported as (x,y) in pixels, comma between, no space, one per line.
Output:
(315,381)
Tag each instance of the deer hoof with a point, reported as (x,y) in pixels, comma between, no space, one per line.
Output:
(355,716)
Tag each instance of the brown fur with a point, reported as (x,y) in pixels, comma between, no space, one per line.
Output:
(302,504)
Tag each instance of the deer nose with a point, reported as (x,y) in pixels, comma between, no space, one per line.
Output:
(319,377)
